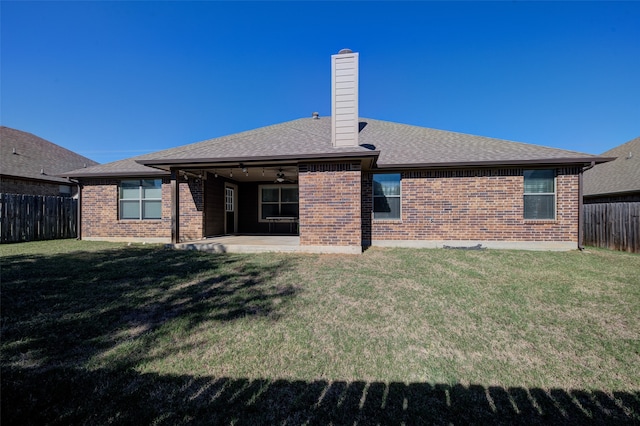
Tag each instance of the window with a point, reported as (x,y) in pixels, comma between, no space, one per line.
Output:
(278,201)
(539,194)
(386,196)
(228,200)
(141,199)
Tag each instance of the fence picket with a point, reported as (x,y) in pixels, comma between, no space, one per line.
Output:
(35,217)
(613,225)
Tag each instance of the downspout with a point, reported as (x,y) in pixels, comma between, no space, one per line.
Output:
(580,206)
(79,212)
(175,206)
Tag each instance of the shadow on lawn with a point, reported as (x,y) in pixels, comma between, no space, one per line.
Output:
(64,309)
(124,397)
(59,311)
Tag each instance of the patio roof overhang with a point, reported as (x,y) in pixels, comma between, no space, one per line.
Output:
(197,166)
(368,161)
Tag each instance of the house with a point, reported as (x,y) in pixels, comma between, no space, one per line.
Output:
(617,180)
(342,183)
(30,165)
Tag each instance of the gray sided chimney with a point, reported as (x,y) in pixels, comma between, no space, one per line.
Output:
(344,99)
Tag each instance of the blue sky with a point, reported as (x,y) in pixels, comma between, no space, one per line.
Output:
(111,80)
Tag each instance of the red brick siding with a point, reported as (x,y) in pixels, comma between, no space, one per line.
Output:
(330,211)
(100,212)
(472,205)
(191,209)
(336,204)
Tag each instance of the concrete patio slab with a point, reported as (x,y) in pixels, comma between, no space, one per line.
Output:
(259,244)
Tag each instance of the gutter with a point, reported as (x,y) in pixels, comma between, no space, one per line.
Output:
(581,206)
(499,163)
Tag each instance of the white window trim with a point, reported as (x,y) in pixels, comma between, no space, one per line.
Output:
(554,193)
(229,202)
(279,186)
(373,196)
(140,201)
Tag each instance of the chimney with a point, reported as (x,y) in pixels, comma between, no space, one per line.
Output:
(344,99)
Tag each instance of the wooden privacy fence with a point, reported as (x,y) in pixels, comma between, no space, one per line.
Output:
(613,225)
(36,217)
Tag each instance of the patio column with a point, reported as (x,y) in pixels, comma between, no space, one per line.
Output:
(175,206)
(330,206)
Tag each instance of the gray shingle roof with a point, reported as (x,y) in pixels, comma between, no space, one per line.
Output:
(398,145)
(34,154)
(618,176)
(402,144)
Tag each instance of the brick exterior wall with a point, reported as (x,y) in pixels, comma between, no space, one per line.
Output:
(336,208)
(330,205)
(100,212)
(481,204)
(9,185)
(191,209)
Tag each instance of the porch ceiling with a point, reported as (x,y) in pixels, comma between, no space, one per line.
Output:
(250,173)
(287,174)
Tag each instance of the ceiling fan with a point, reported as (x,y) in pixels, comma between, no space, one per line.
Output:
(281,178)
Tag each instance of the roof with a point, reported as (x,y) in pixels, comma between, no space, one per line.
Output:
(25,155)
(395,145)
(619,176)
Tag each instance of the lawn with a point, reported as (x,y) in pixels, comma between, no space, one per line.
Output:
(101,333)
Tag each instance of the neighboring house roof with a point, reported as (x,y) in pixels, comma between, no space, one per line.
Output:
(395,145)
(616,177)
(28,156)
(126,167)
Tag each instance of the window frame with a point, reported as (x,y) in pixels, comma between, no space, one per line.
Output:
(374,196)
(279,202)
(553,194)
(140,199)
(229,200)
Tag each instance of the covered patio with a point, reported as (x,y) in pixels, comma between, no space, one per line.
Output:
(238,198)
(259,196)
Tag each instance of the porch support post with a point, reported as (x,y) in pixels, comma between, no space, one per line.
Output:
(175,206)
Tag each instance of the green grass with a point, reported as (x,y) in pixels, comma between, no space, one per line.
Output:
(96,333)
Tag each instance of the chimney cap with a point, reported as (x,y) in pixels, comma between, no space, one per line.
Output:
(345,51)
